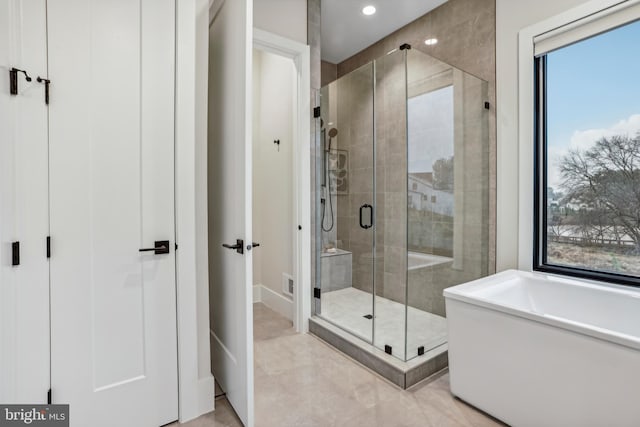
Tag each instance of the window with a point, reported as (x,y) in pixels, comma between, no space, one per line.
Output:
(587,195)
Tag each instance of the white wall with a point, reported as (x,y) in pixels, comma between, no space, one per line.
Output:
(273,226)
(257,225)
(511,17)
(287,18)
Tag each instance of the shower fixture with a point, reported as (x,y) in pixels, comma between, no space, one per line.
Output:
(326,180)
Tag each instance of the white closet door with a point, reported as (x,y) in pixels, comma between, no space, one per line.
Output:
(24,289)
(113,308)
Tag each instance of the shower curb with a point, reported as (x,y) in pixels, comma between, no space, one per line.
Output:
(402,374)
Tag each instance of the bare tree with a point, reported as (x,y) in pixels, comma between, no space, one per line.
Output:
(607,178)
(555,224)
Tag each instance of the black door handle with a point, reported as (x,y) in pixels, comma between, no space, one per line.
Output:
(160,247)
(362,224)
(239,246)
(252,245)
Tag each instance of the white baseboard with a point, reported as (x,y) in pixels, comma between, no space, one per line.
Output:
(274,300)
(257,293)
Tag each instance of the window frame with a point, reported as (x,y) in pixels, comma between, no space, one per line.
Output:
(540,196)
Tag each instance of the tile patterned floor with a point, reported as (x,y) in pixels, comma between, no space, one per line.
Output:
(302,382)
(346,308)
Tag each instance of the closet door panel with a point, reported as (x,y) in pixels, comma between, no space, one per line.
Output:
(24,288)
(113,307)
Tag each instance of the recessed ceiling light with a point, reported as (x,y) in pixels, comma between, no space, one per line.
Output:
(430,42)
(369,10)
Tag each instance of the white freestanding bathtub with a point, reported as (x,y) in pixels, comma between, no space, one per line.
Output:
(542,351)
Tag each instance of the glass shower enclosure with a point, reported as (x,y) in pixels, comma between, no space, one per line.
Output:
(403,189)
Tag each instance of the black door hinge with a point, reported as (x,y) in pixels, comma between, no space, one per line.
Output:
(48,246)
(316,293)
(388,349)
(49,397)
(421,350)
(176,246)
(487,106)
(13,80)
(405,46)
(46,82)
(316,112)
(15,253)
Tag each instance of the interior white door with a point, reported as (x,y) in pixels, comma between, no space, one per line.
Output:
(113,308)
(229,187)
(24,211)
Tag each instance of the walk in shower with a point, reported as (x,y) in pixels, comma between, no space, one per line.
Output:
(403,189)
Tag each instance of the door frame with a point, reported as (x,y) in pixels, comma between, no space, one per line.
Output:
(195,381)
(196,386)
(300,54)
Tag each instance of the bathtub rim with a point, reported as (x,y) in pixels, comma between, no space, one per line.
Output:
(438,260)
(461,293)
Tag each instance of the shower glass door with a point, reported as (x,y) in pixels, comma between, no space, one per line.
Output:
(391,199)
(447,206)
(403,183)
(347,202)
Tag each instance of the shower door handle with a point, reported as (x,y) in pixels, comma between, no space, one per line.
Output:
(362,224)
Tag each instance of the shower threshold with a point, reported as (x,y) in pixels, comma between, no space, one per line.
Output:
(402,374)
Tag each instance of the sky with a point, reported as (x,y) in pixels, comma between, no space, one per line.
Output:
(593,90)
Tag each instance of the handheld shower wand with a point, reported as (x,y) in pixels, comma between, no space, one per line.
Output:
(333,132)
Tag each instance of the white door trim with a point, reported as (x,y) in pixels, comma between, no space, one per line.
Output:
(195,382)
(300,54)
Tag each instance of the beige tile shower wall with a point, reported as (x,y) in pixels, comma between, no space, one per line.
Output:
(354,113)
(391,177)
(466,33)
(354,118)
(329,72)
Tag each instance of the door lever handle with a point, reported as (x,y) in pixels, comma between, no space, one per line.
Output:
(252,245)
(160,247)
(238,247)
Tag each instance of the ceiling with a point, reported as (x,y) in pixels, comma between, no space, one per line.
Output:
(346,30)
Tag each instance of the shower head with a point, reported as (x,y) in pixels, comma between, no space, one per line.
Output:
(333,132)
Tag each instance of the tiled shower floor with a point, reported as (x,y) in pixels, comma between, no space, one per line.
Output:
(348,307)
